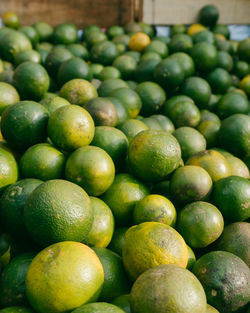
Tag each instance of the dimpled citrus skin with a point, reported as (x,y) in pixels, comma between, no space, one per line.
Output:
(71,127)
(91,168)
(167,289)
(153,155)
(103,225)
(213,162)
(122,196)
(8,169)
(78,91)
(64,276)
(58,210)
(150,244)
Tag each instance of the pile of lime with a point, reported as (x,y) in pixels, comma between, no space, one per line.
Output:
(124,168)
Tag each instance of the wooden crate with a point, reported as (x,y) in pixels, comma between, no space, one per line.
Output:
(80,12)
(168,12)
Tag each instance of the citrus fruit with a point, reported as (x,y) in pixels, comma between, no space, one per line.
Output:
(168,288)
(186,62)
(28,56)
(126,64)
(150,244)
(241,69)
(24,124)
(102,111)
(113,141)
(200,224)
(225,61)
(170,103)
(12,205)
(222,29)
(109,85)
(219,80)
(177,29)
(132,27)
(51,214)
(150,56)
(8,96)
(220,273)
(191,258)
(197,89)
(231,195)
(205,35)
(12,281)
(89,29)
(164,122)
(132,127)
(213,162)
(168,73)
(103,224)
(139,41)
(158,47)
(78,91)
(190,183)
(65,33)
(122,39)
(154,208)
(245,84)
(209,15)
(207,115)
(152,123)
(44,30)
(79,51)
(116,282)
(52,102)
(115,30)
(237,166)
(31,80)
(180,43)
(42,161)
(109,72)
(244,50)
(159,146)
(152,96)
(234,134)
(71,127)
(104,52)
(122,111)
(129,98)
(211,309)
(210,131)
(205,56)
(55,58)
(118,239)
(98,307)
(145,70)
(183,113)
(10,19)
(13,42)
(122,196)
(91,168)
(190,140)
(123,302)
(235,239)
(195,28)
(50,291)
(72,69)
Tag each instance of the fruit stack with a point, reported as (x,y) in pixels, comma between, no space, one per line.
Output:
(124,169)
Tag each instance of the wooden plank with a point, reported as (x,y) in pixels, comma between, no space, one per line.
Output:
(168,12)
(80,12)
